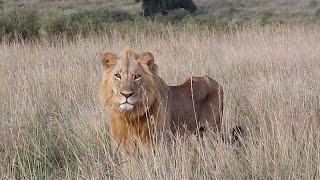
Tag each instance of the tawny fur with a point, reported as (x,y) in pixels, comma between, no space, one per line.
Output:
(194,106)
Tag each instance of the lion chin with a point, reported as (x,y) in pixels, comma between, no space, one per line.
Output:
(126,106)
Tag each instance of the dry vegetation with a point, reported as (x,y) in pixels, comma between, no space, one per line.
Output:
(52,124)
(210,6)
(283,6)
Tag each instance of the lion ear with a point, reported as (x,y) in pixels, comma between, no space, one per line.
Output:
(108,60)
(146,59)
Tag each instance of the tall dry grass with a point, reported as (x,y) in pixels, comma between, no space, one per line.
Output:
(52,125)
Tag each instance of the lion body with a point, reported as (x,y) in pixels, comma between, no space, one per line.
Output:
(194,106)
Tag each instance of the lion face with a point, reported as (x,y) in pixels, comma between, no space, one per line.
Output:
(128,82)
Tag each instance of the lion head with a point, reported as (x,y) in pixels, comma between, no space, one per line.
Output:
(127,86)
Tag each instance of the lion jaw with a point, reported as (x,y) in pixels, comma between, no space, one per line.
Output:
(126,106)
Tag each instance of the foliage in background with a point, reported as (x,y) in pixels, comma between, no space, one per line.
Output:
(85,22)
(30,22)
(108,21)
(152,7)
(19,23)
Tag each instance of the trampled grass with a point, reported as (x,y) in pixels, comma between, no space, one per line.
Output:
(53,126)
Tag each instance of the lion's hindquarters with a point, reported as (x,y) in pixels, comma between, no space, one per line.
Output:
(211,107)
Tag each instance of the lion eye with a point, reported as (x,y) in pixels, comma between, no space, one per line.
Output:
(118,76)
(136,77)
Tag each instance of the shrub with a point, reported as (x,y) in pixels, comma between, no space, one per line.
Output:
(173,17)
(19,23)
(152,7)
(71,25)
(84,22)
(185,4)
(2,4)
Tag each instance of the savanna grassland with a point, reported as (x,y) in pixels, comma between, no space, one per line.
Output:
(53,126)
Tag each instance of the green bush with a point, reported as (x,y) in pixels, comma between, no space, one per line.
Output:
(2,4)
(19,23)
(173,17)
(85,22)
(152,7)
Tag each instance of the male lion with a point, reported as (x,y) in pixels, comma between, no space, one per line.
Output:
(141,105)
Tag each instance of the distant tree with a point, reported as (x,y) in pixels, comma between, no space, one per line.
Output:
(185,4)
(151,7)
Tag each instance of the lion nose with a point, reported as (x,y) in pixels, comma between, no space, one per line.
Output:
(126,94)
